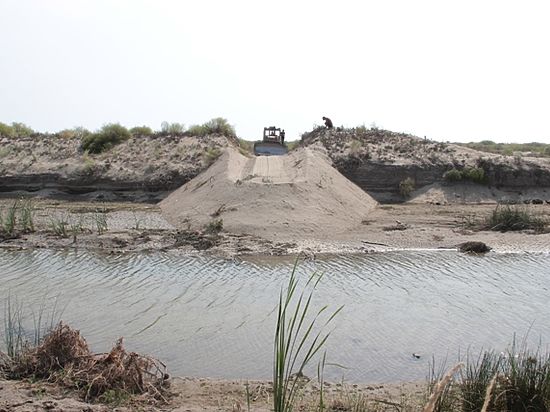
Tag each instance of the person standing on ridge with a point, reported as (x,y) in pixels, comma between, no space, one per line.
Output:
(328,122)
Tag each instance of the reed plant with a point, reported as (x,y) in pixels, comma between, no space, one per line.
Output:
(100,220)
(10,220)
(298,339)
(506,218)
(19,335)
(512,381)
(442,393)
(526,386)
(26,215)
(476,378)
(14,333)
(59,225)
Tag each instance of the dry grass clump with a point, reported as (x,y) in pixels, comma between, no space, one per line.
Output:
(62,347)
(64,357)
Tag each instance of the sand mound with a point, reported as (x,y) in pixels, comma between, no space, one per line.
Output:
(279,197)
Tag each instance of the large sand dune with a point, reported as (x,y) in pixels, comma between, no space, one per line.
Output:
(283,198)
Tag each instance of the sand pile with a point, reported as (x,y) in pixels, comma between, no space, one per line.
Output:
(299,195)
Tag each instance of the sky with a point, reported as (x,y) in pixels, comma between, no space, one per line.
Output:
(448,70)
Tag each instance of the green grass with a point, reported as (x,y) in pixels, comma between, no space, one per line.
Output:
(506,218)
(297,339)
(9,221)
(19,217)
(516,380)
(475,378)
(100,220)
(59,225)
(26,215)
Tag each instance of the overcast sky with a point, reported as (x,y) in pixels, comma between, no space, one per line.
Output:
(449,70)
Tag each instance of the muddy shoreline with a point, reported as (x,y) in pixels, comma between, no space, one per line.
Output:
(139,228)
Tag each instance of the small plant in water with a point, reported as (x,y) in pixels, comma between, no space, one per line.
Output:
(59,225)
(26,216)
(10,219)
(100,219)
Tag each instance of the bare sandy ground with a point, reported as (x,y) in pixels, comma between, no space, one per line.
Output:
(202,394)
(141,228)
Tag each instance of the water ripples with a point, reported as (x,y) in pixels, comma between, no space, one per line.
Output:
(206,316)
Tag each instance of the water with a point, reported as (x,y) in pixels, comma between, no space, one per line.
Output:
(210,317)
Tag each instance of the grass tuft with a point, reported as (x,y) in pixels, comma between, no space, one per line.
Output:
(509,218)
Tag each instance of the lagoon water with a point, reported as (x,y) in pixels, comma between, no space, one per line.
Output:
(210,317)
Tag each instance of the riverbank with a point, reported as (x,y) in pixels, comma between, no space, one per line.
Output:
(203,394)
(133,227)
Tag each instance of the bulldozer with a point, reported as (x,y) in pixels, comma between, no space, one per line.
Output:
(272,144)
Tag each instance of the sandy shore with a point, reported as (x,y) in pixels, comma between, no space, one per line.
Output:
(202,394)
(134,227)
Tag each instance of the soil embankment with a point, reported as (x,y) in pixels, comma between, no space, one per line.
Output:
(379,160)
(147,168)
(143,168)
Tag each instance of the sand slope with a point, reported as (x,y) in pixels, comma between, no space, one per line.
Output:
(279,197)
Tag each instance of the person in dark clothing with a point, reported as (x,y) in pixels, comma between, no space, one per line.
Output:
(328,122)
(283,136)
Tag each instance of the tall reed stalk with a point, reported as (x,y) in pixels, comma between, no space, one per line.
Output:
(297,340)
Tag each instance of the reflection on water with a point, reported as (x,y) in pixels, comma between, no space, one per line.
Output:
(210,317)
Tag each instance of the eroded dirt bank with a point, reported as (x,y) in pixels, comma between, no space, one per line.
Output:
(147,168)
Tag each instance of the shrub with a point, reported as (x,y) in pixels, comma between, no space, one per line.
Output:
(507,218)
(74,133)
(172,128)
(107,137)
(6,130)
(361,129)
(21,129)
(472,174)
(197,130)
(453,175)
(66,134)
(245,147)
(355,147)
(219,125)
(211,154)
(141,131)
(475,174)
(293,145)
(406,187)
(214,227)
